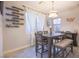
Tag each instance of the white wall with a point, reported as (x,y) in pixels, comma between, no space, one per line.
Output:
(1,37)
(13,37)
(70,26)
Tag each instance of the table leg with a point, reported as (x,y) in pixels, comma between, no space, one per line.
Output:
(53,51)
(49,47)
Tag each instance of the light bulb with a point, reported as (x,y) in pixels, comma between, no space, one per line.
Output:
(53,14)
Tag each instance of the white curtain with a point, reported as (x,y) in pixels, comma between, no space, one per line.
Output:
(34,22)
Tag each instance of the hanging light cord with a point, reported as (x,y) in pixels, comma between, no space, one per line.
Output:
(52,5)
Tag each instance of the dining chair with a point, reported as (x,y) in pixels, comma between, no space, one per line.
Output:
(41,44)
(72,36)
(64,48)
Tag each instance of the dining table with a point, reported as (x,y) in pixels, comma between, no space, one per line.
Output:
(51,37)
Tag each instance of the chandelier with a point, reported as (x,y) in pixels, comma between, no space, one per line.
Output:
(53,13)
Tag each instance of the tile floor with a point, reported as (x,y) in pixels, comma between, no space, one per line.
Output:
(30,53)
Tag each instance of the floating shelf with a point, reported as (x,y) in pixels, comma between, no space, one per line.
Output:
(9,26)
(12,20)
(12,9)
(15,17)
(12,15)
(17,13)
(18,23)
(17,8)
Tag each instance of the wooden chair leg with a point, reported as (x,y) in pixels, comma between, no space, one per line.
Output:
(42,51)
(41,55)
(36,49)
(63,54)
(72,48)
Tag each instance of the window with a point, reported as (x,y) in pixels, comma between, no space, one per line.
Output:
(57,24)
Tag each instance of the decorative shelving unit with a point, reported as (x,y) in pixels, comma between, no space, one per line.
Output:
(15,16)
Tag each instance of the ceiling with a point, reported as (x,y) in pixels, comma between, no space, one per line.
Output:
(45,6)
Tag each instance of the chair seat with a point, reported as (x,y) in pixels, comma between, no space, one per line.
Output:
(64,43)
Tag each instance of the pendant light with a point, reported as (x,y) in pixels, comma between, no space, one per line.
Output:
(53,13)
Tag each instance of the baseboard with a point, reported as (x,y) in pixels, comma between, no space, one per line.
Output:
(1,55)
(14,50)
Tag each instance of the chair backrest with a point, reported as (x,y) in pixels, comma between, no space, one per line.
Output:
(69,34)
(39,32)
(38,36)
(42,32)
(45,32)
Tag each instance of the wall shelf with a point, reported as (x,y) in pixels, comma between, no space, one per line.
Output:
(10,26)
(16,15)
(11,15)
(17,8)
(18,23)
(12,9)
(12,20)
